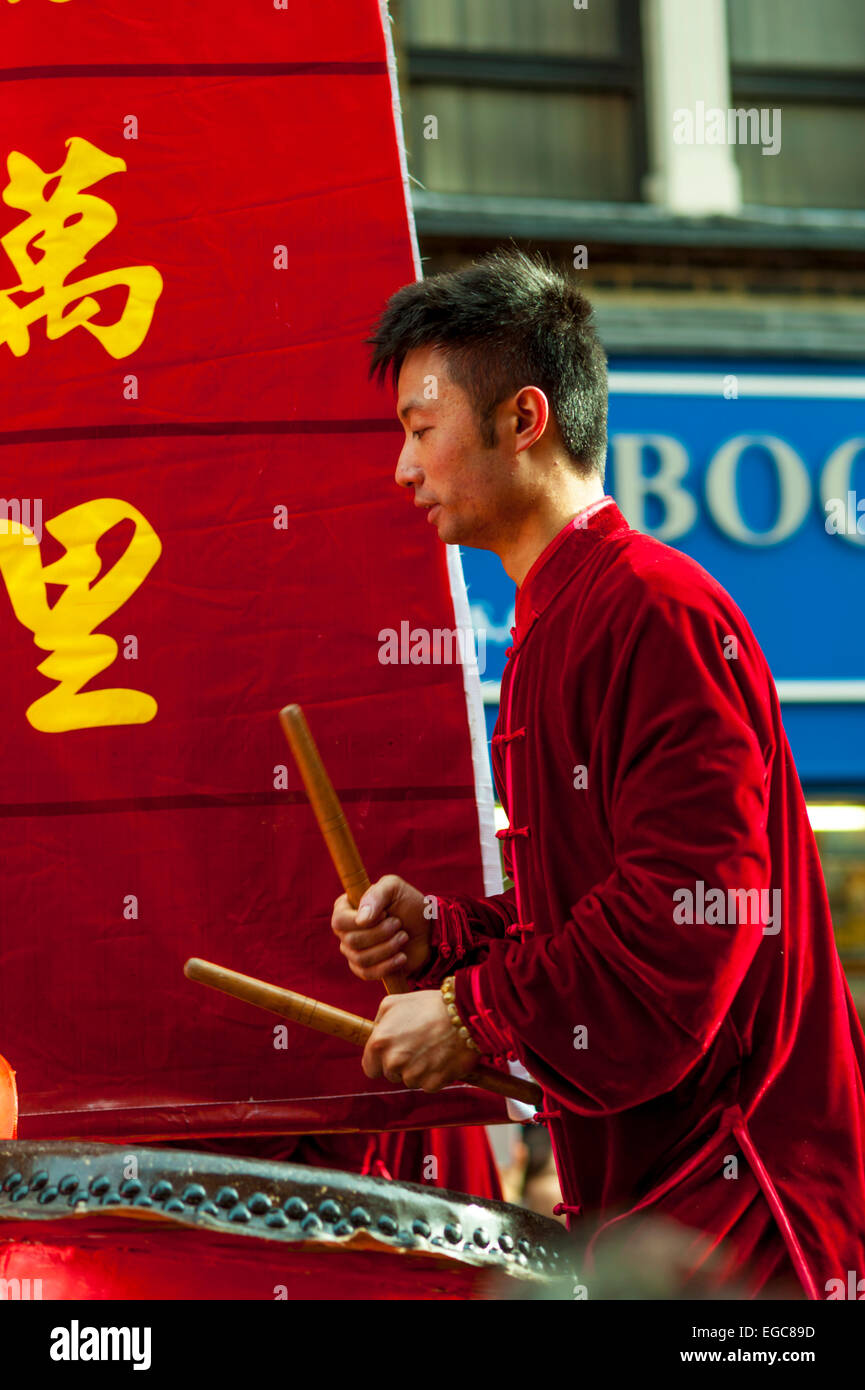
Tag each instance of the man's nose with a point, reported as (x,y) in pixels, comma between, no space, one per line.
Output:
(407,474)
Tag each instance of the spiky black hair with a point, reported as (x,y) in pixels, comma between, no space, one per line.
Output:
(508,320)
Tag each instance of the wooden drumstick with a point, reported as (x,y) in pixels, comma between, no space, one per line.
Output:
(312,1013)
(349,865)
(330,816)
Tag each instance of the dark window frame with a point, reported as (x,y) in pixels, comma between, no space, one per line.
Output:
(799,86)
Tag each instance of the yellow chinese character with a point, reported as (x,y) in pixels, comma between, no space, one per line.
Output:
(54,240)
(66,629)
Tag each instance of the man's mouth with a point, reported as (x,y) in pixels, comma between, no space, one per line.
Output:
(428,507)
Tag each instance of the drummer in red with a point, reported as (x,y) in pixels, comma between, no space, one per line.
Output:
(664,964)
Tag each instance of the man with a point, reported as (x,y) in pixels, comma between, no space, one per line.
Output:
(664,964)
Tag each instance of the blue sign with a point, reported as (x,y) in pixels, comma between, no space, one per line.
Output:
(758,472)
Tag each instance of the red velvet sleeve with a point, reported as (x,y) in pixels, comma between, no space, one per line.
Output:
(684,794)
(462,929)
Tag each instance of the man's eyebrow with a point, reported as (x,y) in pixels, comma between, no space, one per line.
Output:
(413,404)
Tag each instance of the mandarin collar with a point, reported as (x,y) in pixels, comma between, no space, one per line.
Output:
(554,565)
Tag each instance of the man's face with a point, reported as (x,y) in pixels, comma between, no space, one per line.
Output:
(466,487)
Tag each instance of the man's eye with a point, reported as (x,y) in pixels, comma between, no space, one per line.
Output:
(417,433)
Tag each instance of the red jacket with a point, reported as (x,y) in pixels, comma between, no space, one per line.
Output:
(666,1048)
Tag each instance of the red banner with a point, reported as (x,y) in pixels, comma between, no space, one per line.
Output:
(203,211)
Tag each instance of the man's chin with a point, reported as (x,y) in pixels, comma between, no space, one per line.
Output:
(448,528)
(448,534)
(451,533)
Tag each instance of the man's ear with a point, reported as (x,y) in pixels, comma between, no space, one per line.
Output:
(532,410)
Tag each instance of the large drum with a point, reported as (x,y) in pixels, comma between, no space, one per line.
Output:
(97,1221)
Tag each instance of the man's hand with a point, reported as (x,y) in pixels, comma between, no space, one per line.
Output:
(389,931)
(415,1043)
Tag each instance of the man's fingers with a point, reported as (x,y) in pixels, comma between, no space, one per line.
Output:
(372,973)
(434,1082)
(371,906)
(377,900)
(380,1059)
(346,918)
(376,937)
(416,1077)
(367,960)
(343,915)
(375,953)
(371,1062)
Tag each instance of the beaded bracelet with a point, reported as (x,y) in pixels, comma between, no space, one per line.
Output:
(450,1004)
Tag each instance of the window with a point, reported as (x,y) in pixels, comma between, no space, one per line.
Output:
(809,60)
(529,100)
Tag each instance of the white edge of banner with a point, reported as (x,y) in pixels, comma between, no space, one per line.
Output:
(484,801)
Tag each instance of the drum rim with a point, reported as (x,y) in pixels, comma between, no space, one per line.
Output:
(242,1196)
